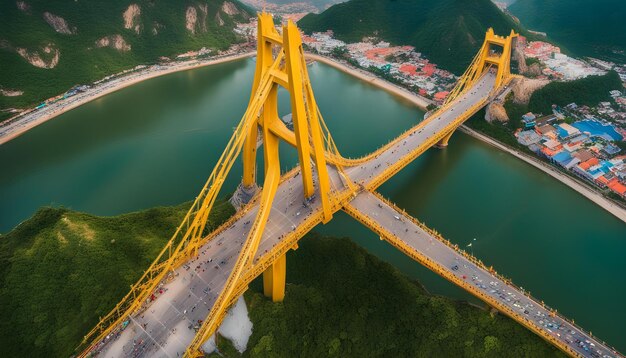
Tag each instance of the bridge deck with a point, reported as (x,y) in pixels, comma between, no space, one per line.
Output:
(166,327)
(417,242)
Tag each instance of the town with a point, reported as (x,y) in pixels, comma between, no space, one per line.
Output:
(578,140)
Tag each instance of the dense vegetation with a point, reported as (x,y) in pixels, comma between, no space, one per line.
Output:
(448,32)
(343,302)
(587,91)
(61,269)
(162,32)
(585,27)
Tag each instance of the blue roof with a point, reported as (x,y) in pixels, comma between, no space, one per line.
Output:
(596,128)
(595,172)
(606,166)
(562,132)
(611,149)
(562,157)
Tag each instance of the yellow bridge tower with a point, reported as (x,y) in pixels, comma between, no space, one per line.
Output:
(494,55)
(280,63)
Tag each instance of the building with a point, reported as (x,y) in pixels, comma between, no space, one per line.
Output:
(566,131)
(542,121)
(528,137)
(546,130)
(529,120)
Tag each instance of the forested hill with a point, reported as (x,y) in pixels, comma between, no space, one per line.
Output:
(448,32)
(46,47)
(60,270)
(585,27)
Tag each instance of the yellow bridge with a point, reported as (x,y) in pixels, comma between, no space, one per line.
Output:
(198,275)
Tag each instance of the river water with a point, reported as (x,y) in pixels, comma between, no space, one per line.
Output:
(155,143)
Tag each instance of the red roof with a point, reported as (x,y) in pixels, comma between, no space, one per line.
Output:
(408,69)
(617,187)
(602,180)
(428,69)
(441,95)
(588,164)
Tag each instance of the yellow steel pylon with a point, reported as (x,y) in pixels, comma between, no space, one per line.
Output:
(494,53)
(280,62)
(308,139)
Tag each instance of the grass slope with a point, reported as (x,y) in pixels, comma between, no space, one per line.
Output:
(61,270)
(80,60)
(585,27)
(448,32)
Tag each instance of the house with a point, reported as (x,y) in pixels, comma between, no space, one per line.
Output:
(546,130)
(566,131)
(617,187)
(528,137)
(582,168)
(562,158)
(611,149)
(529,120)
(440,96)
(583,155)
(542,121)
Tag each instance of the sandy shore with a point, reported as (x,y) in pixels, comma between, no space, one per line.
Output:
(417,100)
(35,118)
(584,190)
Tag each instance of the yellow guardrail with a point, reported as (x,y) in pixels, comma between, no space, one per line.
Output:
(445,273)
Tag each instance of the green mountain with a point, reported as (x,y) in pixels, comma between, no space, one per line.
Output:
(46,47)
(320,4)
(448,32)
(585,27)
(60,270)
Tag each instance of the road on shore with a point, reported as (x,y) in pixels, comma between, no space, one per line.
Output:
(23,123)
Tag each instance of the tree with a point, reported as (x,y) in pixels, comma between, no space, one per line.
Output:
(491,343)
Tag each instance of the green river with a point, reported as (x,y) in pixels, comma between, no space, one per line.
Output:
(156,142)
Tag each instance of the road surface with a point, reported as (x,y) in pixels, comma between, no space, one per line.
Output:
(167,326)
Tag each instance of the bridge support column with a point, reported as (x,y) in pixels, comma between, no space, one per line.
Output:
(274,280)
(444,141)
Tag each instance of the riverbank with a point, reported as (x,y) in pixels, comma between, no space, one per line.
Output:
(34,118)
(415,99)
(584,190)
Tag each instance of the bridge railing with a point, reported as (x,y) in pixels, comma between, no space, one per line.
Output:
(360,160)
(442,271)
(504,279)
(397,166)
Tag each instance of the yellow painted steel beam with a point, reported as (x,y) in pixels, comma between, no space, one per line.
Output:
(309,145)
(274,279)
(443,271)
(280,62)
